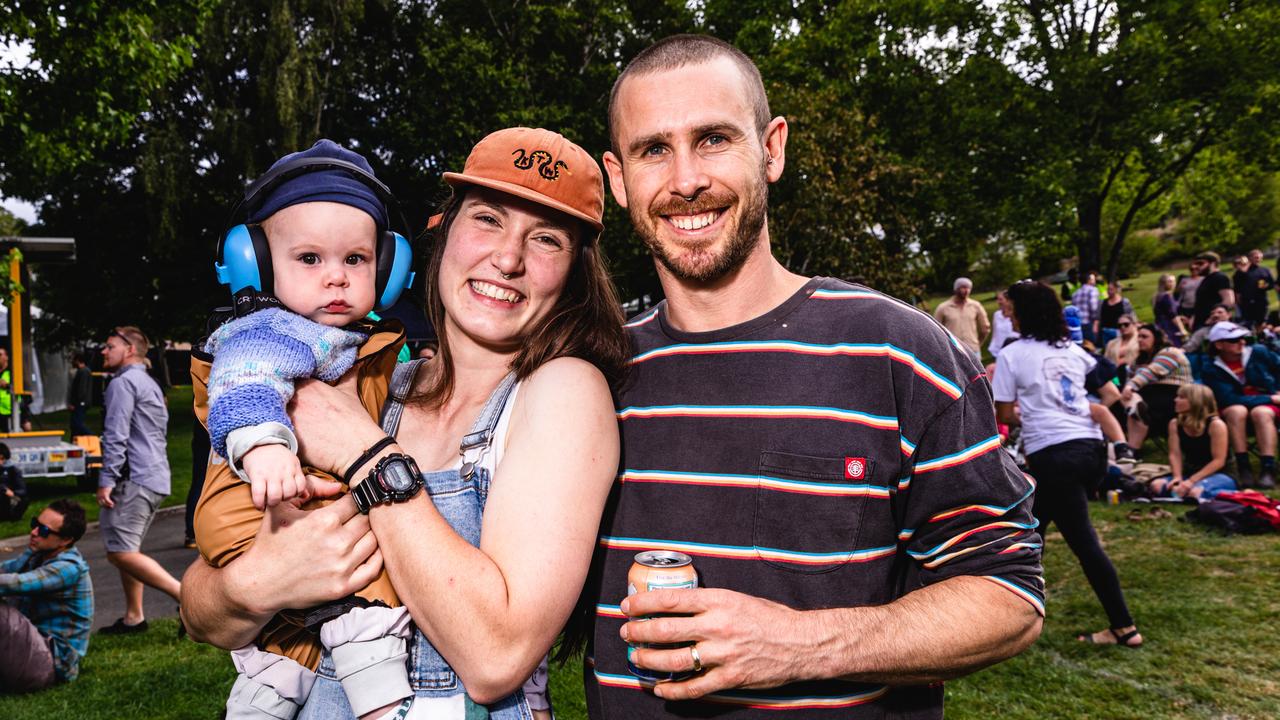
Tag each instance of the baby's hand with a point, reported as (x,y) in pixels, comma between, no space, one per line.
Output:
(275,475)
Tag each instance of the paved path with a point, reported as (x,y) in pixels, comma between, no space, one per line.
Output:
(163,542)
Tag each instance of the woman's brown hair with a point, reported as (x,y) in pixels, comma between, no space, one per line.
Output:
(586,321)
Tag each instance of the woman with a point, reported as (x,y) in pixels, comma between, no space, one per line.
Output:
(1197,448)
(1159,371)
(1044,372)
(1166,311)
(490,558)
(1123,348)
(1113,309)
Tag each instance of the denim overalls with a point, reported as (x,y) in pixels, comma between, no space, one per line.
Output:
(459,496)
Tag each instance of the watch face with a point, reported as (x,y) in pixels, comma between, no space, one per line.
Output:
(397,477)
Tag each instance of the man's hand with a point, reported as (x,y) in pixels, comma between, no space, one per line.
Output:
(275,475)
(742,641)
(104,497)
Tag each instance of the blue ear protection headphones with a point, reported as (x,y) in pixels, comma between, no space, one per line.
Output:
(244,260)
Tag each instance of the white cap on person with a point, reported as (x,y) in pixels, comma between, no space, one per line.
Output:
(1226,330)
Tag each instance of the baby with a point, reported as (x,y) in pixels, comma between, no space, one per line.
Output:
(321,226)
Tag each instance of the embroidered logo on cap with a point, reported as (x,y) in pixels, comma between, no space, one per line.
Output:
(855,468)
(546,168)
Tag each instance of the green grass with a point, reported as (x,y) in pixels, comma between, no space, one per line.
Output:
(1206,605)
(45,490)
(153,675)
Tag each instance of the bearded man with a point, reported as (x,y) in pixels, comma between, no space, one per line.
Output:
(825,454)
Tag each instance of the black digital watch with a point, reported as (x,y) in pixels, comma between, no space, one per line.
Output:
(394,479)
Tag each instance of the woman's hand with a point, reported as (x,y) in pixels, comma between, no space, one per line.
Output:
(331,424)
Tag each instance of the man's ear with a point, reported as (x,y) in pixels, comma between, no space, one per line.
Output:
(613,166)
(775,148)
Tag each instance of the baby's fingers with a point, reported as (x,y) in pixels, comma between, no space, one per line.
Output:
(258,489)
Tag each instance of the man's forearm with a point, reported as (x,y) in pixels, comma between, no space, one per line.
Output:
(943,631)
(212,610)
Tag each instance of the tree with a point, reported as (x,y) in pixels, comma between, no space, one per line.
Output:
(79,76)
(1133,92)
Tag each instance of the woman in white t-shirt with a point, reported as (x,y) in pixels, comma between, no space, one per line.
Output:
(1044,374)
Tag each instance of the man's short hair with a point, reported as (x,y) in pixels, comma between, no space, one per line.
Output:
(677,51)
(1209,256)
(73,522)
(961,282)
(136,339)
(4,451)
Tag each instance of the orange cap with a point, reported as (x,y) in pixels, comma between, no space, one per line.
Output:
(540,166)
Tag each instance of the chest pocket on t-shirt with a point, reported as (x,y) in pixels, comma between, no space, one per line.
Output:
(809,514)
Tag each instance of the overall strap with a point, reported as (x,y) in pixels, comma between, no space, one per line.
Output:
(401,381)
(477,441)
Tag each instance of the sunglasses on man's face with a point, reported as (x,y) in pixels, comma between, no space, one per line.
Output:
(43,530)
(1125,325)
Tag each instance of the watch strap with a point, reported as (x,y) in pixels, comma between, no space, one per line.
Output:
(367,494)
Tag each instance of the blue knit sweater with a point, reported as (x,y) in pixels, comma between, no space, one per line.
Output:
(258,358)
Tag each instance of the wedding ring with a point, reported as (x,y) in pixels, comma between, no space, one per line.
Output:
(697,659)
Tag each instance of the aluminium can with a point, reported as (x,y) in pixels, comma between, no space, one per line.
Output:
(659,570)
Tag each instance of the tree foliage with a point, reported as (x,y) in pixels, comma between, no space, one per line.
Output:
(929,139)
(80,75)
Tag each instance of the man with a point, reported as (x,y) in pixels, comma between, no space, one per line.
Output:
(818,448)
(964,316)
(135,472)
(6,392)
(1246,382)
(1214,288)
(13,488)
(46,603)
(1252,284)
(79,395)
(1088,302)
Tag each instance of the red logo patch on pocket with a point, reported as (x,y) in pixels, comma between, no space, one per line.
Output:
(855,468)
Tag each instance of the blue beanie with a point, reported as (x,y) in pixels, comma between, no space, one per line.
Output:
(323,185)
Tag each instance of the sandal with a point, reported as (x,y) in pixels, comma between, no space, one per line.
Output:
(1125,640)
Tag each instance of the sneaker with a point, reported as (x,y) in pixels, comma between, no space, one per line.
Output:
(119,627)
(189,543)
(1266,480)
(1124,453)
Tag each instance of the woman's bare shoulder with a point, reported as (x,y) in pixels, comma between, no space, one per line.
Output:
(565,373)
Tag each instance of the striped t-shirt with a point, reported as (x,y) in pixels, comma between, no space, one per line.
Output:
(838,451)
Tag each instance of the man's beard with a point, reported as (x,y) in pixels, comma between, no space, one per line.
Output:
(742,238)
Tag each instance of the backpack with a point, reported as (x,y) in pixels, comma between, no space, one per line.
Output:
(1246,512)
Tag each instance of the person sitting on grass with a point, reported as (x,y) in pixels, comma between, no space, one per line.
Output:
(1123,348)
(1246,383)
(46,603)
(1158,372)
(1197,448)
(13,489)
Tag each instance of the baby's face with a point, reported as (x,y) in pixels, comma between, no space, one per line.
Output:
(322,254)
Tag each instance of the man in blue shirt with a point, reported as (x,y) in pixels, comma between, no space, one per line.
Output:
(135,472)
(46,603)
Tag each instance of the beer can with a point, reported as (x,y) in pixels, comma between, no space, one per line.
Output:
(1113,497)
(659,570)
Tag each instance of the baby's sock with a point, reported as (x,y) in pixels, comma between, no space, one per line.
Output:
(268,686)
(370,655)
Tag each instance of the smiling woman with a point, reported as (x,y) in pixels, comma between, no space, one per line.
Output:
(513,424)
